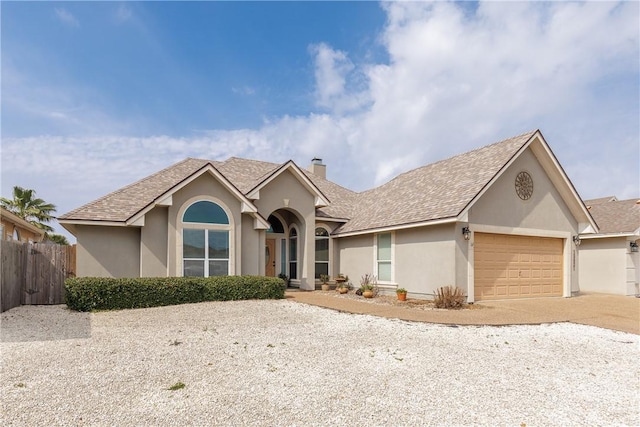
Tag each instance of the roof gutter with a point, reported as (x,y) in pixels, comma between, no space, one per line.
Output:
(450,220)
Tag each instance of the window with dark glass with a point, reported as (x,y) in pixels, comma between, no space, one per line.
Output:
(293,254)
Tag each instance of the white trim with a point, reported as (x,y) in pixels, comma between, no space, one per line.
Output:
(330,248)
(605,236)
(397,227)
(180,226)
(392,260)
(92,222)
(326,219)
(292,227)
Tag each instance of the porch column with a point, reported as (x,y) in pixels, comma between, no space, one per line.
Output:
(307,280)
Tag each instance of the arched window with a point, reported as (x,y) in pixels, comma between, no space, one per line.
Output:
(322,252)
(205,240)
(293,253)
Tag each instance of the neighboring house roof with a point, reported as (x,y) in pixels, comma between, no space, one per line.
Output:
(444,190)
(9,216)
(600,200)
(616,216)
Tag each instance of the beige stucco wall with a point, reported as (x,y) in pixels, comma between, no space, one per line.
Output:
(250,248)
(108,251)
(205,187)
(153,243)
(545,210)
(287,193)
(425,259)
(607,266)
(356,257)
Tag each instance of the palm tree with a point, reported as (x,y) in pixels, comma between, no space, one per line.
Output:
(26,206)
(58,239)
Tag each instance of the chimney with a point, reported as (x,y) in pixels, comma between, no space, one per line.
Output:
(318,168)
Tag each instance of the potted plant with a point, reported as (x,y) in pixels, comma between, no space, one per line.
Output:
(368,286)
(343,287)
(341,278)
(402,294)
(324,278)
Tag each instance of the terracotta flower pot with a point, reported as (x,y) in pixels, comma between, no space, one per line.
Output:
(367,294)
(402,296)
(343,290)
(325,287)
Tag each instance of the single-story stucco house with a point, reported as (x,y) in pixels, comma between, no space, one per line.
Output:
(609,259)
(499,222)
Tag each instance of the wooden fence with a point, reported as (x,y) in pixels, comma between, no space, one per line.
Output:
(34,273)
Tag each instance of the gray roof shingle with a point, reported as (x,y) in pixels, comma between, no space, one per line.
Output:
(615,216)
(436,191)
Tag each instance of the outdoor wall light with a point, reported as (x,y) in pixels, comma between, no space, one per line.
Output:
(576,240)
(466,233)
(633,246)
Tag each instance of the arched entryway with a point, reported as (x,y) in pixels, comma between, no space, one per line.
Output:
(283,248)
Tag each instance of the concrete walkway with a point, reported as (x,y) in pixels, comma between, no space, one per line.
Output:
(620,313)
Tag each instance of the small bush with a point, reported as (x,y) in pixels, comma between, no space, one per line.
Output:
(101,293)
(449,297)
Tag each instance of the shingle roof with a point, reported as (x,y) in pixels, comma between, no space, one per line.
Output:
(618,216)
(124,203)
(600,200)
(436,191)
(244,174)
(439,190)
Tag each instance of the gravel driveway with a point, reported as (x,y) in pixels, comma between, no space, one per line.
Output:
(283,363)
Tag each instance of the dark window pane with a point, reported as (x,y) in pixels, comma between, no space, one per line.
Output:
(321,232)
(293,249)
(205,212)
(322,249)
(218,268)
(218,244)
(193,268)
(293,270)
(321,268)
(192,243)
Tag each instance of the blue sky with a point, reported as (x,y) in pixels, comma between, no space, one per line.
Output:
(96,95)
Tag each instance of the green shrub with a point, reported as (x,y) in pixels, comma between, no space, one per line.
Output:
(101,293)
(449,297)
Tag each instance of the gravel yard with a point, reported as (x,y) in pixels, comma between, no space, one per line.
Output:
(283,363)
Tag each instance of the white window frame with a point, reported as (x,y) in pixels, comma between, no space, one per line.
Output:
(376,261)
(329,248)
(205,226)
(297,261)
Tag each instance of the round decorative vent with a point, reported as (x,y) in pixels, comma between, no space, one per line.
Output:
(524,185)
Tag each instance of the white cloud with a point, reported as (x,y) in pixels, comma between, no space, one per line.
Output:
(333,70)
(455,80)
(66,17)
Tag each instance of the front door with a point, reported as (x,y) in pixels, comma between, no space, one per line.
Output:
(270,258)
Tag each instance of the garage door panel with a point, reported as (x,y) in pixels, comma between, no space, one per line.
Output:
(509,266)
